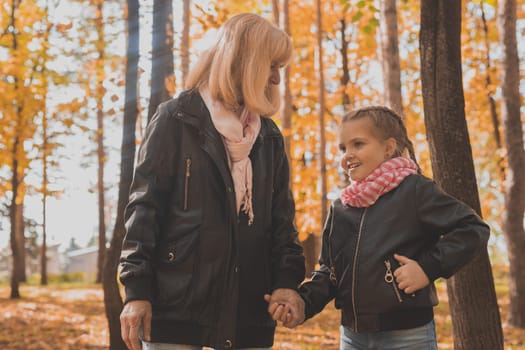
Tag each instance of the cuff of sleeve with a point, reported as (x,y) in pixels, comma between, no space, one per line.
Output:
(286,280)
(138,289)
(431,267)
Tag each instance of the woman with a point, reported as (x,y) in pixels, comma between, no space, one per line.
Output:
(210,217)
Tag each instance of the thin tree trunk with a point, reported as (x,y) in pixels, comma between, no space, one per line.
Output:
(15,283)
(162,77)
(390,56)
(43,253)
(20,231)
(473,304)
(322,137)
(515,184)
(101,156)
(345,77)
(275,12)
(185,42)
(112,299)
(490,94)
(15,293)
(286,97)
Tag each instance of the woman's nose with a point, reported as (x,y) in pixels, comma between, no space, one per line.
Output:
(275,76)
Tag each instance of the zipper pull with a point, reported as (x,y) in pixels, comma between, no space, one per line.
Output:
(333,279)
(389,276)
(188,164)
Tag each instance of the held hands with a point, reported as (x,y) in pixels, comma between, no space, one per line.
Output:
(287,306)
(410,277)
(135,316)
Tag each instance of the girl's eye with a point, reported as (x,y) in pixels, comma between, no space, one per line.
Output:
(358,144)
(342,148)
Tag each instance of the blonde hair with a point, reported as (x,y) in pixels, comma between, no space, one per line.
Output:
(237,67)
(387,124)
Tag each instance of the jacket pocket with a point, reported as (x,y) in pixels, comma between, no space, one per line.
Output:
(175,272)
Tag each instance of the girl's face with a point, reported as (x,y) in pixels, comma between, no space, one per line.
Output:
(363,149)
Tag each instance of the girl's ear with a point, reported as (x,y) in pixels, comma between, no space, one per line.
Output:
(390,147)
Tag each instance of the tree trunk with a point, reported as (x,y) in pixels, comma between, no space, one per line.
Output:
(20,231)
(345,77)
(43,253)
(322,137)
(473,305)
(275,12)
(515,182)
(101,156)
(286,97)
(15,181)
(390,56)
(162,77)
(15,282)
(185,41)
(112,300)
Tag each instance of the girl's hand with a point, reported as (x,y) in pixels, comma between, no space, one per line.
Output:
(410,277)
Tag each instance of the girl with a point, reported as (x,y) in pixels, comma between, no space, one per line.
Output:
(390,235)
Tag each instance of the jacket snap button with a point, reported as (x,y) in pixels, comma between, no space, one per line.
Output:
(171,256)
(229,189)
(228,344)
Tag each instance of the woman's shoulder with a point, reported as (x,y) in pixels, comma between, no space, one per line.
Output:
(269,128)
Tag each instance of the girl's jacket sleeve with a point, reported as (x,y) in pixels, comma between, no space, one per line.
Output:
(460,233)
(320,290)
(147,204)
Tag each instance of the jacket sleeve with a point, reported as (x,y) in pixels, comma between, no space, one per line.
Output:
(287,257)
(319,291)
(459,232)
(150,189)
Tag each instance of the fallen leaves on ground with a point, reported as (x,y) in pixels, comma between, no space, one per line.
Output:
(58,318)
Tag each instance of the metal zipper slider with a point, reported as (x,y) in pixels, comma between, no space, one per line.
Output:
(333,279)
(389,278)
(186,182)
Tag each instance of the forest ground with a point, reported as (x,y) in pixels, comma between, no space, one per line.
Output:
(71,316)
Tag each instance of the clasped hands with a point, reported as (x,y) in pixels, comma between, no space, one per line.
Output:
(287,306)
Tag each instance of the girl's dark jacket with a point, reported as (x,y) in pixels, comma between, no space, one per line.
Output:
(188,252)
(416,220)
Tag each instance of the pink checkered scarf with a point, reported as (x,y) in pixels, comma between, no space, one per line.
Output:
(383,179)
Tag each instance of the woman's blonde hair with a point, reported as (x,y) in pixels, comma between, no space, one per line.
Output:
(237,67)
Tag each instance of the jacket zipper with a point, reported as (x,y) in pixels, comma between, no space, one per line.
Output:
(354,269)
(333,277)
(187,182)
(389,278)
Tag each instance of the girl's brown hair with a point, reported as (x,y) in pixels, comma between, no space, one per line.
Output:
(387,124)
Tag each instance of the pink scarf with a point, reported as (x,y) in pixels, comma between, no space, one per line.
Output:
(238,134)
(383,179)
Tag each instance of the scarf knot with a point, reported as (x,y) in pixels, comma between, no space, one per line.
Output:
(383,179)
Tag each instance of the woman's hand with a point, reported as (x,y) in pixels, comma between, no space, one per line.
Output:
(287,306)
(135,316)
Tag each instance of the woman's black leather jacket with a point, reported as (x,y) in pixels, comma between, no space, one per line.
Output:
(204,269)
